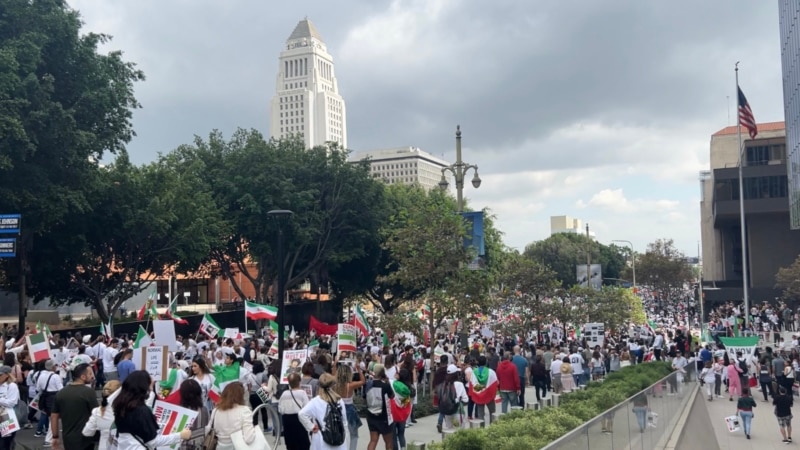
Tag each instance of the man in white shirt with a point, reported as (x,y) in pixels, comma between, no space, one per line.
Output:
(658,344)
(555,374)
(577,362)
(109,368)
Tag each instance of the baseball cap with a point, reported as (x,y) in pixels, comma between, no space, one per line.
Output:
(452,369)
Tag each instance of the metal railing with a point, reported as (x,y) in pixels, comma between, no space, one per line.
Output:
(643,421)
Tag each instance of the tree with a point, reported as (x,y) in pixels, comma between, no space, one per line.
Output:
(562,252)
(334,203)
(62,106)
(788,280)
(530,286)
(664,269)
(429,256)
(145,222)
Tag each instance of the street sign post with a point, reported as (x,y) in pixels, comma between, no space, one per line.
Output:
(8,247)
(10,223)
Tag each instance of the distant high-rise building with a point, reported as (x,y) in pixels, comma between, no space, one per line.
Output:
(404,165)
(566,224)
(307,100)
(790,59)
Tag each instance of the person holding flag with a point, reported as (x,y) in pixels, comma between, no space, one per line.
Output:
(483,389)
(401,405)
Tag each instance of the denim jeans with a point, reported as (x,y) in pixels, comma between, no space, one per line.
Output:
(399,435)
(521,391)
(508,397)
(44,422)
(641,416)
(747,418)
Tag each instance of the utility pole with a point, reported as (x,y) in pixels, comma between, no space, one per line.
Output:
(588,259)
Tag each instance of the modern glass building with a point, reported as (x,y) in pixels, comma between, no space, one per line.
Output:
(789,11)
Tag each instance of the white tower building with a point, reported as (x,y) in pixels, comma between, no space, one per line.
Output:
(307,100)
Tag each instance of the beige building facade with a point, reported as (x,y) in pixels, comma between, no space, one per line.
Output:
(769,240)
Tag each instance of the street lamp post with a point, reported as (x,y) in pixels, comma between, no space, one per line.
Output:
(633,259)
(281,216)
(459,171)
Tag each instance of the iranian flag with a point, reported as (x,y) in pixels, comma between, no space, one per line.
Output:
(360,321)
(209,327)
(223,376)
(273,349)
(346,338)
(38,347)
(483,385)
(142,338)
(257,311)
(43,329)
(172,312)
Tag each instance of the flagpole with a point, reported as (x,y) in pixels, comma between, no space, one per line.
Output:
(741,205)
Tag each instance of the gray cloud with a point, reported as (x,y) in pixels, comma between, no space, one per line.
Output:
(543,90)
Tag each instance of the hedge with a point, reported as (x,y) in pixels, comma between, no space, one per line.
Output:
(533,430)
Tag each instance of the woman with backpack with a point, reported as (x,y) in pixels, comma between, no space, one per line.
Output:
(453,397)
(325,417)
(346,384)
(379,417)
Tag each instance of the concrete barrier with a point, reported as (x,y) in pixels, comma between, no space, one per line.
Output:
(48,316)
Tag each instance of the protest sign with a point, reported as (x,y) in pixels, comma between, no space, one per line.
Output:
(232,333)
(8,422)
(165,334)
(172,418)
(346,338)
(153,360)
(293,361)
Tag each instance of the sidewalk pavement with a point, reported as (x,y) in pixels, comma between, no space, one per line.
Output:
(764,433)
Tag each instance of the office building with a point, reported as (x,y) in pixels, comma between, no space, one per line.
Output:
(307,100)
(789,11)
(404,165)
(770,242)
(567,224)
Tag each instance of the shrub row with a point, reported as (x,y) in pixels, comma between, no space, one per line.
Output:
(533,430)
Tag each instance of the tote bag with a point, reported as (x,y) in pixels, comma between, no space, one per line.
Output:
(259,443)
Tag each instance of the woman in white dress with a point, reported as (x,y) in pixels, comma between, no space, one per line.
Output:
(312,416)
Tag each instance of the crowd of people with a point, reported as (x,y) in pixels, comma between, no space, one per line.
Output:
(472,376)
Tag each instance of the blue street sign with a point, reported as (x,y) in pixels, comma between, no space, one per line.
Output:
(9,223)
(8,247)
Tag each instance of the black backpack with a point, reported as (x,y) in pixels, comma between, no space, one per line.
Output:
(743,366)
(447,399)
(333,434)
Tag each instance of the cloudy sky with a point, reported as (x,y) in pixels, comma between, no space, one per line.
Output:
(598,110)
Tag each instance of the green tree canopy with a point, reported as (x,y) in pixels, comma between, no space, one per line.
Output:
(144,222)
(663,268)
(562,252)
(788,280)
(337,206)
(63,105)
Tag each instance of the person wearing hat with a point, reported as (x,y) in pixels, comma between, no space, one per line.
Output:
(459,419)
(48,383)
(9,396)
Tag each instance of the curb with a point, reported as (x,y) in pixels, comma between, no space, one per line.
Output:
(677,429)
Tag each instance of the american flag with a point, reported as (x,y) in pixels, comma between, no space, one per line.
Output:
(746,118)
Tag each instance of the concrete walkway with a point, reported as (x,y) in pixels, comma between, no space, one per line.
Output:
(765,434)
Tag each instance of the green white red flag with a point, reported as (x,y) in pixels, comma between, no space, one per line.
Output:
(38,347)
(223,376)
(142,338)
(360,321)
(209,327)
(258,311)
